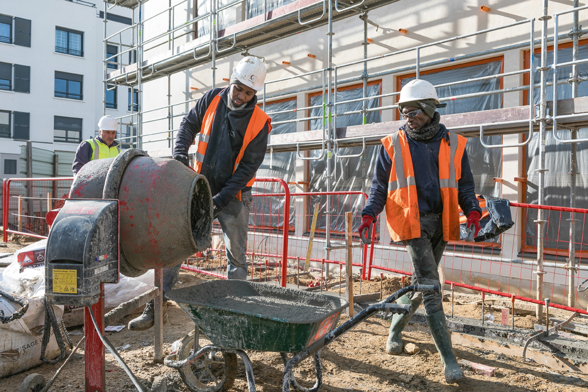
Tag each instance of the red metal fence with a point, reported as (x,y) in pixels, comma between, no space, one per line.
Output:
(26,201)
(279,238)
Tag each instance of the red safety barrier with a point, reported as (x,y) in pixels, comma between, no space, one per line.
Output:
(508,266)
(270,239)
(26,201)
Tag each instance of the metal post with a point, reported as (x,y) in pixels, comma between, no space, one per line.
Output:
(213,40)
(572,268)
(139,79)
(364,76)
(170,119)
(104,62)
(94,349)
(158,317)
(541,191)
(331,131)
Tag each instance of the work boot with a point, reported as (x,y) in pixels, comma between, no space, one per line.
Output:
(146,320)
(442,338)
(399,321)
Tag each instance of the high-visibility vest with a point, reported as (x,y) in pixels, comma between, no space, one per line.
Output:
(256,124)
(101,150)
(402,205)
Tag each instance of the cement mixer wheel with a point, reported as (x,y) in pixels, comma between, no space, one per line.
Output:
(214,372)
(33,383)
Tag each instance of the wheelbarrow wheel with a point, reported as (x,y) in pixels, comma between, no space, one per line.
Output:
(33,383)
(213,372)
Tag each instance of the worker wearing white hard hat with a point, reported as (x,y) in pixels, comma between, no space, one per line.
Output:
(230,133)
(422,178)
(103,146)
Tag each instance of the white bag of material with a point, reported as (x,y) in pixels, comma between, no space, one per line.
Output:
(20,340)
(126,289)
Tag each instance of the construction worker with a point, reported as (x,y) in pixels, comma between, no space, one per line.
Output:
(231,134)
(104,146)
(422,176)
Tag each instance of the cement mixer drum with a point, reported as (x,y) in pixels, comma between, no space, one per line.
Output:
(165,207)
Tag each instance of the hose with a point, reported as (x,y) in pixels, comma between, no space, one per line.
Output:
(51,322)
(16,315)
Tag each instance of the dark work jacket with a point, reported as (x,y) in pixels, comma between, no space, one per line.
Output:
(84,154)
(226,140)
(425,161)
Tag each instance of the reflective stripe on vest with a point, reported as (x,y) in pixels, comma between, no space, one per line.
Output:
(101,150)
(256,124)
(402,210)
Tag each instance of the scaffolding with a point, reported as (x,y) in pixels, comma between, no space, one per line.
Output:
(303,15)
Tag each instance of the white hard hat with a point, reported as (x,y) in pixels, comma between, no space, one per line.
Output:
(108,123)
(417,90)
(251,72)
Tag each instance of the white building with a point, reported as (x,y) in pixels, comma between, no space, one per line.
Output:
(51,77)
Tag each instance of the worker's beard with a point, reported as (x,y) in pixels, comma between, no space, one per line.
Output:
(425,133)
(232,106)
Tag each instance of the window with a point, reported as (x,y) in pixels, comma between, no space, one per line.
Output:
(68,85)
(21,125)
(67,129)
(132,56)
(557,163)
(4,124)
(111,50)
(69,41)
(10,166)
(5,76)
(111,98)
(256,7)
(6,29)
(22,76)
(134,107)
(350,172)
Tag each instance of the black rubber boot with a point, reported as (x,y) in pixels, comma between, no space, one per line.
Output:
(146,320)
(394,343)
(442,338)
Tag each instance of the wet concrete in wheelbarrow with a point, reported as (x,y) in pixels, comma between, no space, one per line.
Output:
(355,362)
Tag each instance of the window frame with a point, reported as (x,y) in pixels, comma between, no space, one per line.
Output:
(68,50)
(67,94)
(9,124)
(67,138)
(310,207)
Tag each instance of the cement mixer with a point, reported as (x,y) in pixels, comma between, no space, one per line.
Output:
(127,214)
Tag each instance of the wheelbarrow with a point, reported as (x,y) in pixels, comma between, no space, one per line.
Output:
(240,315)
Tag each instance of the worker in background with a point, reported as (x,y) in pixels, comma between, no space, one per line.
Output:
(231,134)
(104,146)
(422,177)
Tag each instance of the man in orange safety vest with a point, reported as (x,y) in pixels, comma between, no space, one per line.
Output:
(421,178)
(231,135)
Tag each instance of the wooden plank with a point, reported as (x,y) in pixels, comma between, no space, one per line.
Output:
(348,261)
(310,240)
(366,297)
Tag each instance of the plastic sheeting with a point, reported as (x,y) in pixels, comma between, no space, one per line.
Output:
(485,163)
(225,18)
(557,163)
(350,174)
(256,7)
(269,210)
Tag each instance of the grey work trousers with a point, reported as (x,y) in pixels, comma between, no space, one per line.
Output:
(234,220)
(425,253)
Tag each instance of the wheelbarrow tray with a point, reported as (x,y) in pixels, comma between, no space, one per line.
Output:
(243,315)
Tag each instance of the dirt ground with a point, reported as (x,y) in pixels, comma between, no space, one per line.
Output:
(355,362)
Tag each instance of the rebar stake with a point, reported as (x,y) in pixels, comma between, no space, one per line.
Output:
(381,286)
(340,277)
(512,300)
(483,301)
(360,279)
(298,271)
(452,298)
(546,316)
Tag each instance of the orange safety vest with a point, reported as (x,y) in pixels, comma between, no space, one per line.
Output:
(402,205)
(257,122)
